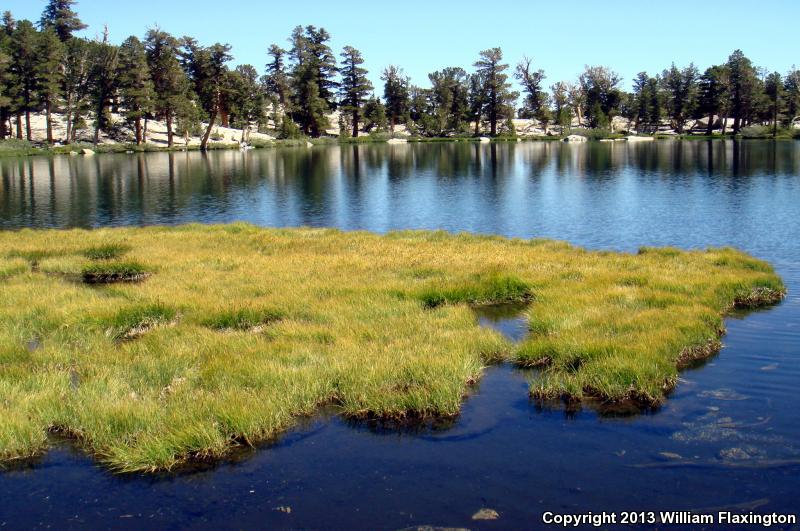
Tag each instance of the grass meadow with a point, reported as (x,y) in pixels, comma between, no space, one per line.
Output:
(154,347)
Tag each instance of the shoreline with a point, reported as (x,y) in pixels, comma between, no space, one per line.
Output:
(118,148)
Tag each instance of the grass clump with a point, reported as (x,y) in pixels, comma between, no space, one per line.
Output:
(479,290)
(106,251)
(110,272)
(134,321)
(378,325)
(242,319)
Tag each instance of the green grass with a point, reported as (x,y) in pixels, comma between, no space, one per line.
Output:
(109,272)
(239,330)
(106,251)
(133,321)
(242,318)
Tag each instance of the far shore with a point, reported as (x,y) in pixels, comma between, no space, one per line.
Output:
(16,148)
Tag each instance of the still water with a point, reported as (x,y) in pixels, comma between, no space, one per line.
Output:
(727,439)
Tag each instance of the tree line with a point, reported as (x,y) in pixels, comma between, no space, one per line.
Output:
(191,87)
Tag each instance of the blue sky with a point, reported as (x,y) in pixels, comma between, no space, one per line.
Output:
(422,36)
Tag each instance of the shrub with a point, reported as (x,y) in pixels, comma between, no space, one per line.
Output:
(15,146)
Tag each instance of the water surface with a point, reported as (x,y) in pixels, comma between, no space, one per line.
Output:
(727,437)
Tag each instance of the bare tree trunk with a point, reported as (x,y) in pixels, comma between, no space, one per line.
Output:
(710,126)
(211,120)
(170,134)
(775,120)
(493,119)
(144,132)
(19,126)
(49,118)
(28,132)
(138,129)
(355,123)
(68,119)
(74,132)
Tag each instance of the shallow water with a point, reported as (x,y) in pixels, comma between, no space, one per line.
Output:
(727,437)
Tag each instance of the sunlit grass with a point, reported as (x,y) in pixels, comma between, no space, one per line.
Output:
(237,330)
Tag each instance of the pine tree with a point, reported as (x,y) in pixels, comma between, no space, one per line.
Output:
(640,100)
(355,87)
(49,74)
(245,99)
(103,83)
(792,89)
(599,85)
(680,88)
(59,16)
(8,23)
(499,97)
(712,94)
(577,100)
(647,102)
(449,100)
(76,87)
(276,79)
(395,93)
(774,90)
(187,118)
(207,69)
(375,115)
(170,85)
(324,64)
(743,88)
(476,99)
(135,84)
(561,109)
(535,104)
(6,90)
(24,83)
(312,79)
(5,100)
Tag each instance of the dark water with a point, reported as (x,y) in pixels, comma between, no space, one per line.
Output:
(728,437)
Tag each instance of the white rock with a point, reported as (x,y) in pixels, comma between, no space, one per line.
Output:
(397,141)
(639,138)
(87,151)
(485,139)
(486,514)
(575,138)
(309,144)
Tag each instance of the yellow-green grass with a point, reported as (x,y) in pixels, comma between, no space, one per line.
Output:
(232,332)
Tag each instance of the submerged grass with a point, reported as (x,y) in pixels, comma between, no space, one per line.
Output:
(378,325)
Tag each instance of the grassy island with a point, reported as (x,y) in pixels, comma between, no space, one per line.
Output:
(156,346)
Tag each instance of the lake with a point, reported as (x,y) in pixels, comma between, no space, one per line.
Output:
(728,438)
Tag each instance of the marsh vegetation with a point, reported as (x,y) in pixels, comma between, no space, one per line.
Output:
(239,330)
